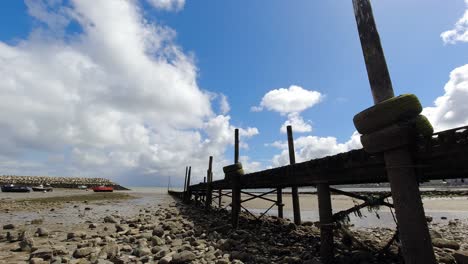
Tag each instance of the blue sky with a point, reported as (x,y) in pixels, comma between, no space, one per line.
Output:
(88,81)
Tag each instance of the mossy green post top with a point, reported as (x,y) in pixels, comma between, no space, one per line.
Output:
(387,112)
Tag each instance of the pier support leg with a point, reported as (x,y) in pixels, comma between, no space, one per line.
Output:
(236,200)
(209,189)
(279,201)
(220,198)
(296,206)
(326,223)
(188,196)
(294,191)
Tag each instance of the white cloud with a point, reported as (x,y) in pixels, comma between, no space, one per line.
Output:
(460,32)
(297,122)
(250,166)
(169,5)
(451,109)
(290,102)
(312,147)
(293,99)
(117,98)
(224,104)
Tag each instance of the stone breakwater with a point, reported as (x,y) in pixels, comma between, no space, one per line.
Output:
(174,233)
(58,182)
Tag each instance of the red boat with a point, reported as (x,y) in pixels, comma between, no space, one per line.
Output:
(103,189)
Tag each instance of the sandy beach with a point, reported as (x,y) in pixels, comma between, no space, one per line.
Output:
(148,226)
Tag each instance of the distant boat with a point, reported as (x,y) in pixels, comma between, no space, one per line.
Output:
(42,188)
(13,188)
(82,187)
(103,189)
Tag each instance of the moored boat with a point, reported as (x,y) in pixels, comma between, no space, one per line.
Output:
(42,188)
(13,188)
(103,189)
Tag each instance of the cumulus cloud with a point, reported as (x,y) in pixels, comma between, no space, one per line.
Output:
(291,102)
(169,5)
(293,99)
(312,147)
(460,31)
(451,109)
(117,98)
(224,104)
(297,122)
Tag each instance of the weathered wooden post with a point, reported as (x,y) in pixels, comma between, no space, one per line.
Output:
(220,198)
(279,201)
(209,188)
(236,145)
(414,233)
(235,182)
(326,223)
(189,191)
(294,191)
(185,184)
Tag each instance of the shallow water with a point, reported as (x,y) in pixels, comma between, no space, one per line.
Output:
(151,197)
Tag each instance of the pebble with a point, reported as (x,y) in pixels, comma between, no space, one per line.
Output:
(9,226)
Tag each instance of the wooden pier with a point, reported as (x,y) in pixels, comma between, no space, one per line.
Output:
(399,148)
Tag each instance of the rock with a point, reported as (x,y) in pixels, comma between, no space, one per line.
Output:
(92,226)
(43,253)
(59,251)
(37,261)
(435,234)
(183,257)
(9,226)
(121,228)
(103,261)
(165,260)
(461,257)
(77,234)
(12,237)
(429,218)
(37,221)
(110,219)
(222,261)
(291,260)
(244,256)
(42,232)
(26,244)
(444,243)
(84,252)
(112,250)
(158,231)
(176,242)
(446,258)
(157,241)
(142,251)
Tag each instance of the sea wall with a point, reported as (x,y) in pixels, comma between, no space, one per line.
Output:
(58,182)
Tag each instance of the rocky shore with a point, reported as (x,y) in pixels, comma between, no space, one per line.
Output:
(58,182)
(170,232)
